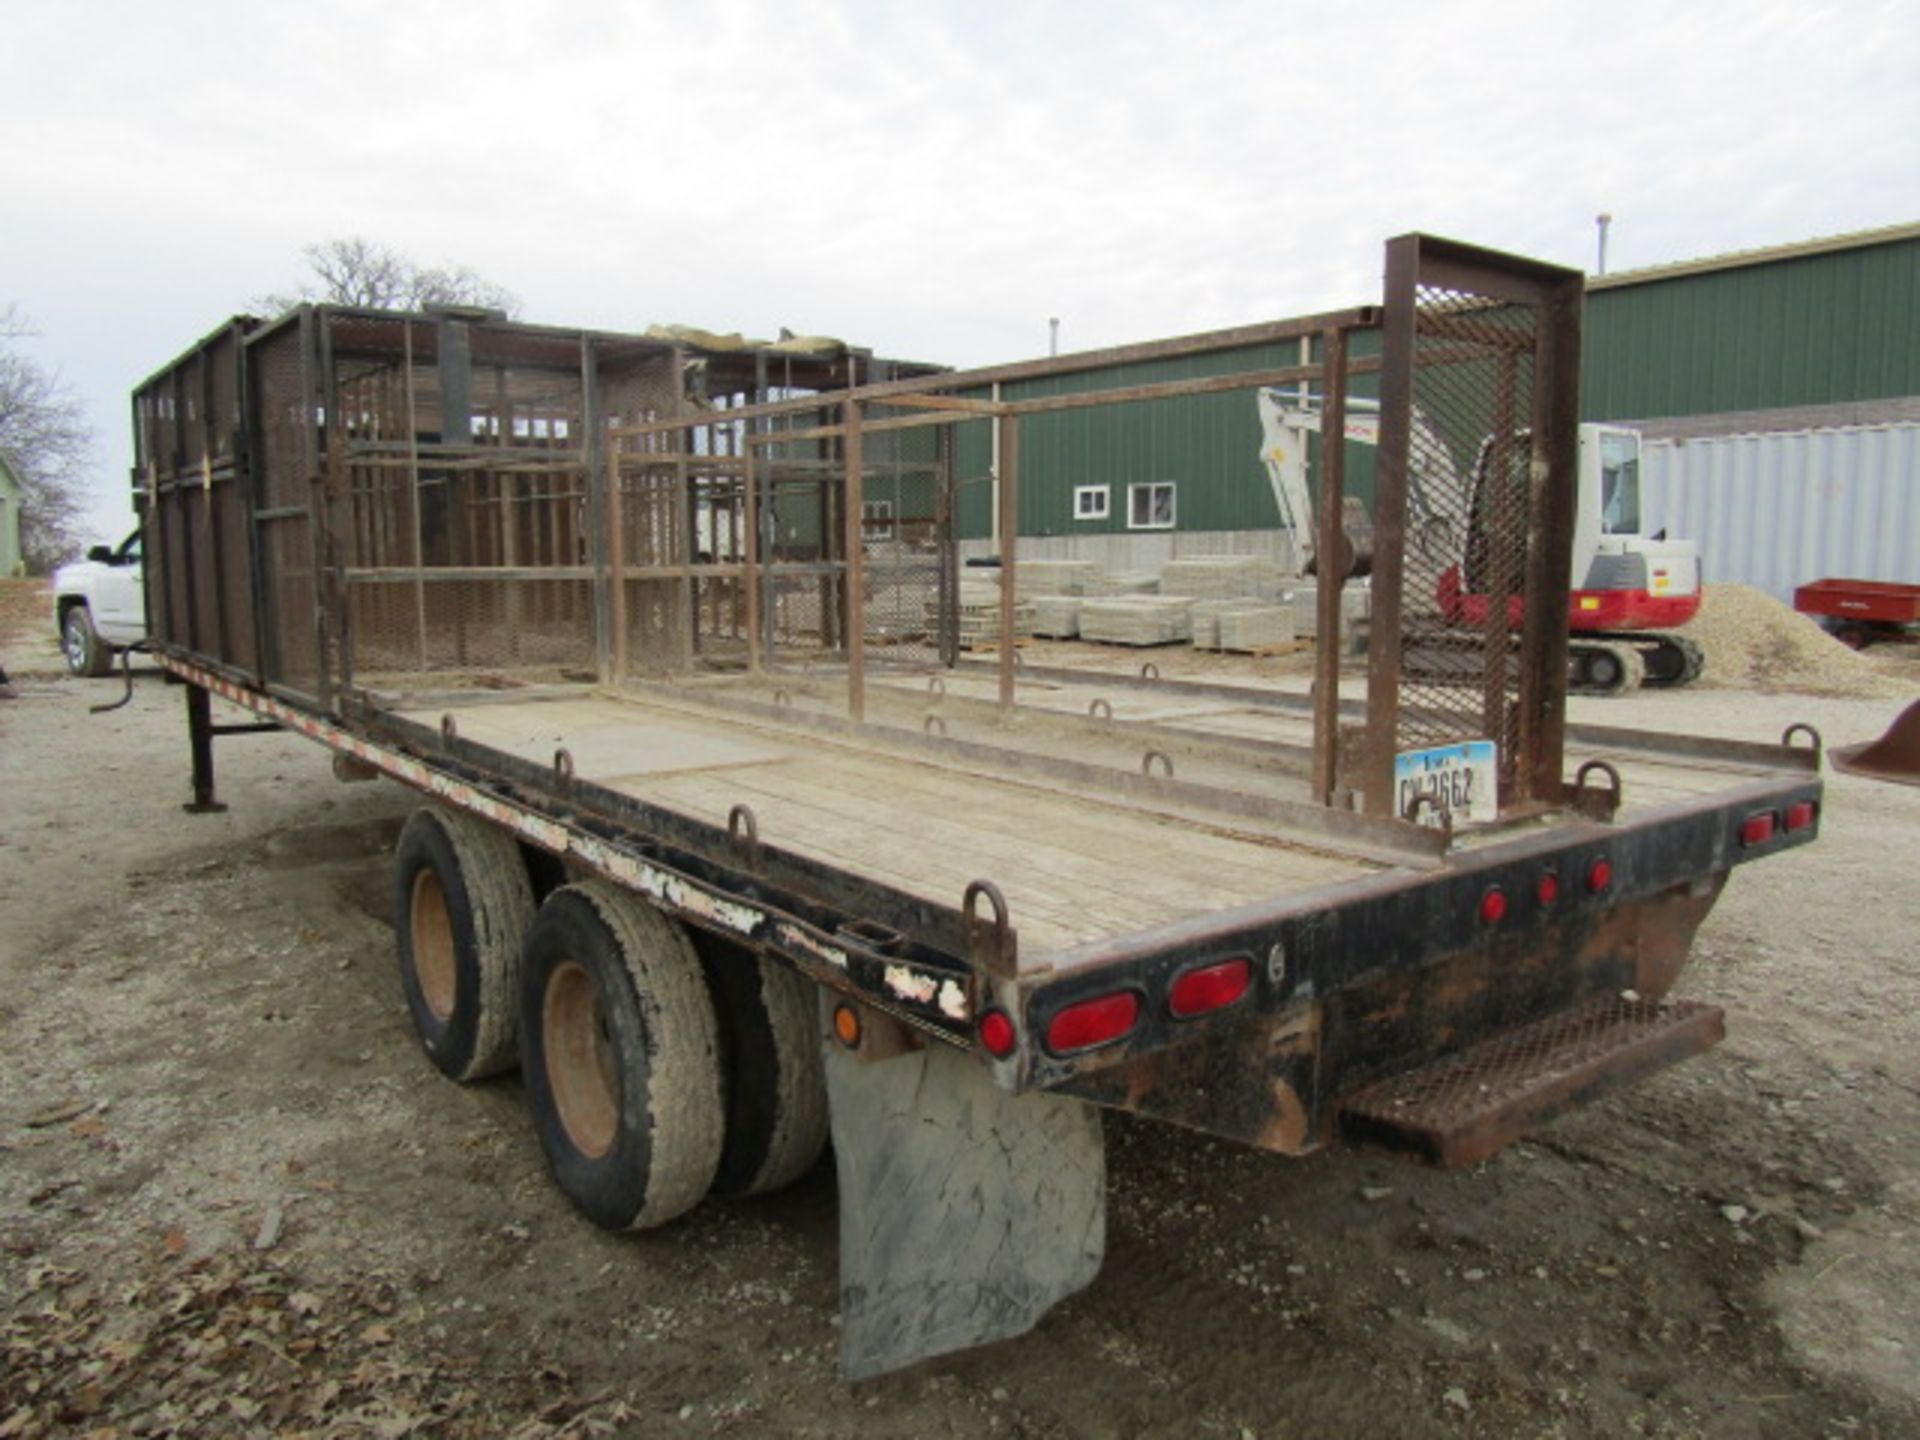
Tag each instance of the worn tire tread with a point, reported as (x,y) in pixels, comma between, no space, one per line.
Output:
(800,1111)
(502,899)
(686,1113)
(499,901)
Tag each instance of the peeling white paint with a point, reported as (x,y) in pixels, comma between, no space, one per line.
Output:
(908,984)
(953,1001)
(795,938)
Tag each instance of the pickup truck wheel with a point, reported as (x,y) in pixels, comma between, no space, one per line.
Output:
(461,905)
(620,1057)
(86,652)
(776,1083)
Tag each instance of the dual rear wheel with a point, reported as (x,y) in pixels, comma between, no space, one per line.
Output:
(657,1068)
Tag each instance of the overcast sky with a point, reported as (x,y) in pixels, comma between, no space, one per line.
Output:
(931,180)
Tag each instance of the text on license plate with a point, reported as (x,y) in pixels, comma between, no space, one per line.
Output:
(1461,782)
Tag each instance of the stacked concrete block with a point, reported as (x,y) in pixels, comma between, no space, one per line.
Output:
(979,615)
(1034,578)
(1206,620)
(1261,627)
(1130,582)
(1222,577)
(1137,620)
(1056,616)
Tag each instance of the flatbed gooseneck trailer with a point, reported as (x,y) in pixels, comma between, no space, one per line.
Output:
(727,847)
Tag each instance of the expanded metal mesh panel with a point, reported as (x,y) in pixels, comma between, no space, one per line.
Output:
(1475,496)
(1467,521)
(189,387)
(286,425)
(185,425)
(178,576)
(474,629)
(287,547)
(162,431)
(223,396)
(285,458)
(203,522)
(236,577)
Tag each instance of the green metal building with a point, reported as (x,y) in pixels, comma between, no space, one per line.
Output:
(1814,336)
(1825,322)
(10,557)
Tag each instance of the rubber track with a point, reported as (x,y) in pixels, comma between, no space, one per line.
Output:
(1632,668)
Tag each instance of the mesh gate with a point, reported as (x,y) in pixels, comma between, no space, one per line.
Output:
(1477,473)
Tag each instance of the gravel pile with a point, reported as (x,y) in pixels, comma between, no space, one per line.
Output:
(1754,642)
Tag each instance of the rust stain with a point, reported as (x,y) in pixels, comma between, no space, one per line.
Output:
(1286,1129)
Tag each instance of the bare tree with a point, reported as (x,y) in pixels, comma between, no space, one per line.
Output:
(358,271)
(47,441)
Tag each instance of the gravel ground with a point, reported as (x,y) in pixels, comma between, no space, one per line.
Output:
(236,1200)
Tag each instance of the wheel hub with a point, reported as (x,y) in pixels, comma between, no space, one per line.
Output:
(431,932)
(579,1060)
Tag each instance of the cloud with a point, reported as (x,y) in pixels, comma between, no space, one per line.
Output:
(934,180)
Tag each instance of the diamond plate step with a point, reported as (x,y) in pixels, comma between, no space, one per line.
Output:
(1464,1108)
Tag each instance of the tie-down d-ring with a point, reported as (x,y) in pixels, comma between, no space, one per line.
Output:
(743,833)
(1412,815)
(1604,768)
(1800,727)
(1002,936)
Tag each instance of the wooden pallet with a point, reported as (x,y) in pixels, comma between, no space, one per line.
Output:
(1269,652)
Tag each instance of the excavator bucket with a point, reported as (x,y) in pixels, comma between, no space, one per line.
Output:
(1894,756)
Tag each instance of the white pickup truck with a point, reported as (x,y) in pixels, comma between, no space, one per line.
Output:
(99,606)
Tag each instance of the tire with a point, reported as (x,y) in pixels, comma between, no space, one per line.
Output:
(621,1057)
(775,1081)
(87,654)
(462,905)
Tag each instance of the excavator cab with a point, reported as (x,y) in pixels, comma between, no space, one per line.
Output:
(1630,589)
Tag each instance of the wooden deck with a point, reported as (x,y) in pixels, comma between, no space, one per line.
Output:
(1077,862)
(1074,868)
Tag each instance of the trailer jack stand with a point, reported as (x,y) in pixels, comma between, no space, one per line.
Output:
(200,733)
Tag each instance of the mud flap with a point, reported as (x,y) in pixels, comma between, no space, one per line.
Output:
(966,1213)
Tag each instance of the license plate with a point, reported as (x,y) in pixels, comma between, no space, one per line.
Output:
(1461,781)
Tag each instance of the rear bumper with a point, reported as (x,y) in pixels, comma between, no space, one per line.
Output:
(1406,974)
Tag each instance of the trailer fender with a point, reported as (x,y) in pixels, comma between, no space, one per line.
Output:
(966,1213)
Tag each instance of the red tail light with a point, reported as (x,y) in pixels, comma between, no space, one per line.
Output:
(997,1034)
(1800,814)
(1600,875)
(1493,906)
(1548,890)
(1087,1023)
(1757,829)
(1210,987)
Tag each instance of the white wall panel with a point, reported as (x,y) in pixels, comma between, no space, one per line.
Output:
(1777,510)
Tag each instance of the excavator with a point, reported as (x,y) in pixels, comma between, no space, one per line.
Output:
(1637,588)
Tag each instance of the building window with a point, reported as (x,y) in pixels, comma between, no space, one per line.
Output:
(1092,502)
(1150,506)
(876,519)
